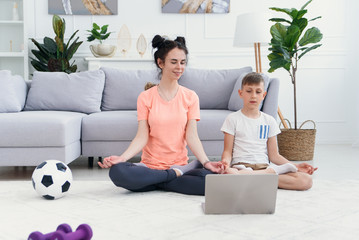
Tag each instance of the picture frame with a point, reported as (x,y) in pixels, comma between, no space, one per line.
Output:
(79,7)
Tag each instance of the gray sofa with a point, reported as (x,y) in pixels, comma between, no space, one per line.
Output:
(93,113)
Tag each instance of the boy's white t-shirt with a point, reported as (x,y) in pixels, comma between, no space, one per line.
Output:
(250,136)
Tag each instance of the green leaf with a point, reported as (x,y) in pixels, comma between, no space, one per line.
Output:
(291,39)
(278,32)
(39,66)
(104,29)
(95,26)
(40,56)
(72,49)
(58,26)
(90,38)
(301,23)
(305,5)
(279,20)
(314,18)
(103,37)
(294,13)
(312,35)
(40,46)
(301,13)
(68,42)
(279,62)
(284,10)
(50,45)
(96,34)
(309,49)
(59,44)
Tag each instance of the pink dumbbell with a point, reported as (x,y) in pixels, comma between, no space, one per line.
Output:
(65,228)
(83,232)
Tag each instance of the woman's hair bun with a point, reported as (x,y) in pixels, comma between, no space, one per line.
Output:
(181,40)
(157,41)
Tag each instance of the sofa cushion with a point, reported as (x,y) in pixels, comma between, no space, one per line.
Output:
(78,92)
(213,120)
(213,87)
(12,92)
(122,87)
(235,102)
(110,126)
(40,128)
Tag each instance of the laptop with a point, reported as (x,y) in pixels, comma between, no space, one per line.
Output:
(240,194)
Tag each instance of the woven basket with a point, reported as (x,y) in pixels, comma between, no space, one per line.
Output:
(297,145)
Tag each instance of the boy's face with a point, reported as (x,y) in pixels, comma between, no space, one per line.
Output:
(252,95)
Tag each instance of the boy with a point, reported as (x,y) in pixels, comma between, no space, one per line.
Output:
(250,139)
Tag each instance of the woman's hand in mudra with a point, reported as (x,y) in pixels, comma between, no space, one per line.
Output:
(216,167)
(110,161)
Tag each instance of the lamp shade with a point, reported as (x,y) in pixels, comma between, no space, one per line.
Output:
(252,28)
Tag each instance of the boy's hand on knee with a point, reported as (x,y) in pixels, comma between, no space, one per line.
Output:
(306,168)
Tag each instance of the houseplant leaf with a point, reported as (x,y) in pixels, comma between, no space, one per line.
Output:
(312,35)
(309,49)
(54,54)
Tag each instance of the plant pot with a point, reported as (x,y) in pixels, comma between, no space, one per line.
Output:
(103,50)
(297,144)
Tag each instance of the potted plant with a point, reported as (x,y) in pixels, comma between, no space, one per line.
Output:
(100,34)
(54,55)
(291,40)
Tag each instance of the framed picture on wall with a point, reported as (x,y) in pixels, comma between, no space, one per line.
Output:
(195,6)
(82,7)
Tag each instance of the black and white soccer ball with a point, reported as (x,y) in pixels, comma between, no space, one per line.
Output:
(52,179)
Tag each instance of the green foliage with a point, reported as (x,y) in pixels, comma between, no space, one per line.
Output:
(54,55)
(99,33)
(291,41)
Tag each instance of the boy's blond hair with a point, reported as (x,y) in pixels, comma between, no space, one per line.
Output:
(252,78)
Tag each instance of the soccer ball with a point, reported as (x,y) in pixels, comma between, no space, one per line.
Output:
(52,179)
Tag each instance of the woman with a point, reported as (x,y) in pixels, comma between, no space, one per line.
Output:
(167,115)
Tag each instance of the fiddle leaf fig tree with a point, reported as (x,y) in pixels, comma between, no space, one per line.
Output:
(291,40)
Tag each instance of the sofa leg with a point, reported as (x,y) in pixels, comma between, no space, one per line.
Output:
(90,162)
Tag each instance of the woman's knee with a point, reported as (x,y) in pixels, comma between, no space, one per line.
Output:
(119,173)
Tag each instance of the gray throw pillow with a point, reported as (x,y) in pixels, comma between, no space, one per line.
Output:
(77,92)
(122,87)
(13,91)
(235,102)
(213,87)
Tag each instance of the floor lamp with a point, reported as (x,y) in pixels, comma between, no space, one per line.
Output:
(253,28)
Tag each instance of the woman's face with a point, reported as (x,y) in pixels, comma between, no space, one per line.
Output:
(174,64)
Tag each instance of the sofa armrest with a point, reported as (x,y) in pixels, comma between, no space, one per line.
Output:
(270,103)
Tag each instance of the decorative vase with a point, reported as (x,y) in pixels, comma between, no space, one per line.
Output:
(103,50)
(124,39)
(15,12)
(141,45)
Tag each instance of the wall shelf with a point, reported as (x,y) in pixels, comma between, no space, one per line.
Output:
(11,22)
(12,54)
(132,63)
(14,41)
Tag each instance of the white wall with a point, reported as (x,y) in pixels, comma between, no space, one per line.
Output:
(325,77)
